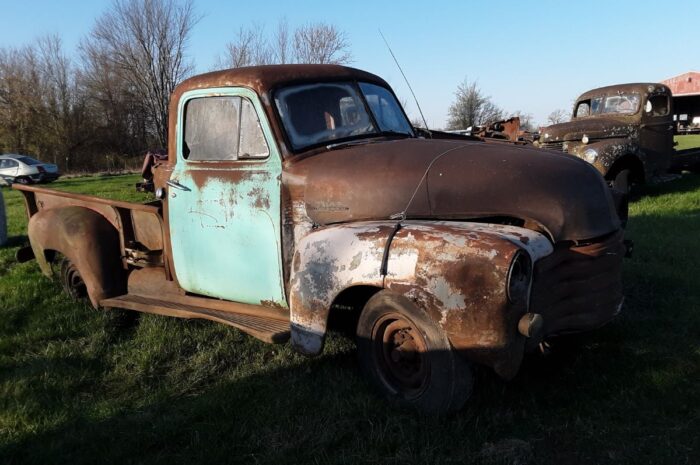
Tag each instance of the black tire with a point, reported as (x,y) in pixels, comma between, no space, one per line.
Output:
(74,286)
(22,180)
(72,282)
(409,358)
(622,181)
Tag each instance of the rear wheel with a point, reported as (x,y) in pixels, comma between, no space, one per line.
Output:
(75,287)
(409,358)
(71,280)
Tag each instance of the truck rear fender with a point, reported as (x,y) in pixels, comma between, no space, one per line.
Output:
(88,240)
(448,267)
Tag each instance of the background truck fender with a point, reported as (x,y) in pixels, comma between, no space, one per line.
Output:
(88,240)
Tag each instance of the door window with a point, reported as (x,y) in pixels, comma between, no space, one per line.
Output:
(7,163)
(657,105)
(222,129)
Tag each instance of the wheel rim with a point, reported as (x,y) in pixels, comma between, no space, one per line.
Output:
(401,353)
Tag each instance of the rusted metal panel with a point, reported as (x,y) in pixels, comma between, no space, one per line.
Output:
(88,240)
(579,287)
(326,262)
(456,272)
(458,180)
(229,213)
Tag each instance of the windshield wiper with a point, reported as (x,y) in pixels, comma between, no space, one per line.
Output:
(348,143)
(390,132)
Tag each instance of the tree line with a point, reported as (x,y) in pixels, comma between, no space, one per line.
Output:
(103,106)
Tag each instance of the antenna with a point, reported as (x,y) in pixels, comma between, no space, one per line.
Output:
(405,79)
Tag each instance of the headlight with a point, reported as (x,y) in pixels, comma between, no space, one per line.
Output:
(584,139)
(590,155)
(519,277)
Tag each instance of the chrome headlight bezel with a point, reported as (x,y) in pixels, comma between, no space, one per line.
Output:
(590,155)
(519,278)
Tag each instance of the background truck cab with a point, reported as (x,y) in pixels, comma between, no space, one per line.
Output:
(625,131)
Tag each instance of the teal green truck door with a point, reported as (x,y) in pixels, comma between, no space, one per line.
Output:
(224,199)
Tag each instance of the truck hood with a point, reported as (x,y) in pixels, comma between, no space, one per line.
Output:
(594,128)
(441,179)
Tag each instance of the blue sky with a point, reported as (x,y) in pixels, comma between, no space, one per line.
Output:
(527,55)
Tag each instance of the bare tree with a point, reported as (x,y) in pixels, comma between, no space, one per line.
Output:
(312,43)
(21,107)
(321,43)
(471,108)
(250,48)
(557,116)
(146,41)
(66,117)
(281,43)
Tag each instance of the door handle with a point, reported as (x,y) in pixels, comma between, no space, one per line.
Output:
(177,185)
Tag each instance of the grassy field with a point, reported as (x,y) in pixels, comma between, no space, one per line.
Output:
(176,391)
(689,141)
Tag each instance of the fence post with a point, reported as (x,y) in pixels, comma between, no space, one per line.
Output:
(3,221)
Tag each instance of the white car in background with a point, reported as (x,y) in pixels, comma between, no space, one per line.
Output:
(26,170)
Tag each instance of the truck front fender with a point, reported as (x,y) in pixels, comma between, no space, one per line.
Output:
(609,151)
(456,271)
(88,240)
(459,274)
(326,262)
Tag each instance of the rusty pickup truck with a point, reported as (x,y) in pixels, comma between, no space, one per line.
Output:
(625,131)
(297,199)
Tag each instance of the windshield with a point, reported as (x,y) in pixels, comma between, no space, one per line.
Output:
(623,103)
(314,114)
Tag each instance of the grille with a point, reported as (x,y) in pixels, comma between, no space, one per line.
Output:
(577,288)
(558,146)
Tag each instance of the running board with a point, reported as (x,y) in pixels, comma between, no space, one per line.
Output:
(272,330)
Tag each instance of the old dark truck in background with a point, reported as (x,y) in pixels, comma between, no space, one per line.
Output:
(626,132)
(296,199)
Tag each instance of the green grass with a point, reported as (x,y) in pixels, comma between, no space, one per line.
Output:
(177,391)
(689,141)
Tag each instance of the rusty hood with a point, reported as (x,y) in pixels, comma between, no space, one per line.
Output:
(594,128)
(556,193)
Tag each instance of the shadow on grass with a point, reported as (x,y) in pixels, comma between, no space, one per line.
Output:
(16,241)
(625,393)
(688,182)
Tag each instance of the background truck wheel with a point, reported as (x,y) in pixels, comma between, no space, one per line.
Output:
(621,181)
(409,358)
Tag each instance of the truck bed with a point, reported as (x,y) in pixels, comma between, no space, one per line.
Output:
(140,225)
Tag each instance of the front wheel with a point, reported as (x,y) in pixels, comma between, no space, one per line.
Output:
(621,181)
(409,358)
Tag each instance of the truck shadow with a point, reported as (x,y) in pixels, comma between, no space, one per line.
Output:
(688,182)
(597,398)
(16,241)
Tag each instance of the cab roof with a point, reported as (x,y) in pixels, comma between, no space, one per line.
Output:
(641,87)
(262,79)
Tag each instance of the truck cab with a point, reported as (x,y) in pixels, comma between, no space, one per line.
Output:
(625,131)
(298,198)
